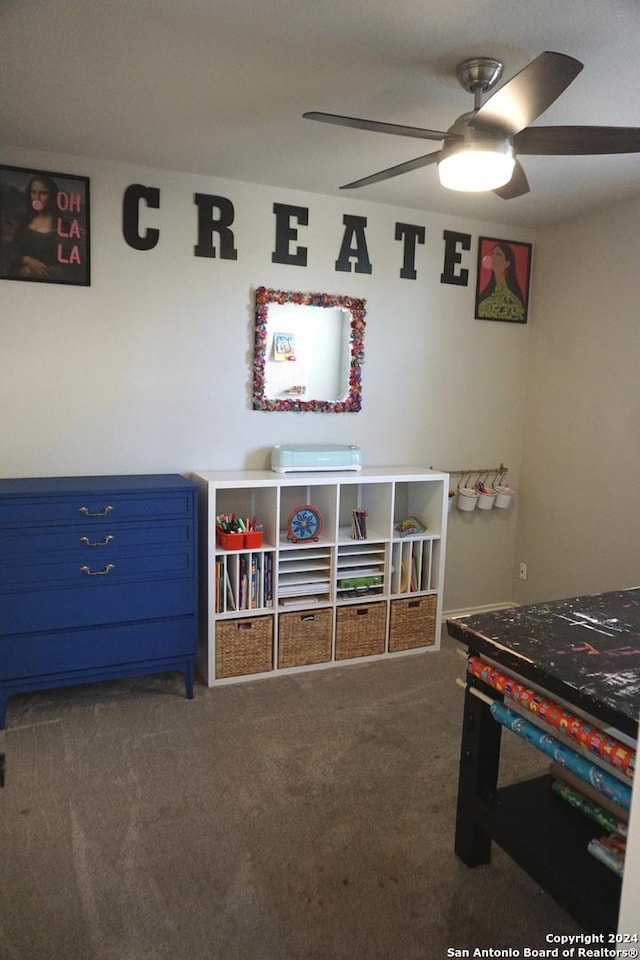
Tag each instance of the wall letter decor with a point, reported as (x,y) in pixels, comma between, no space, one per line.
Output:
(134,193)
(286,234)
(216,214)
(452,257)
(410,234)
(354,230)
(207,226)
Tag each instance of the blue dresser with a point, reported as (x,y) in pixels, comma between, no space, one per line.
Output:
(97,580)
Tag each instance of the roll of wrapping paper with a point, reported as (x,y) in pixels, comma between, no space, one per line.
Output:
(611,857)
(589,808)
(596,741)
(564,755)
(559,772)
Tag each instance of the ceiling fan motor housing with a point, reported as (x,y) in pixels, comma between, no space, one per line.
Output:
(475,138)
(476,159)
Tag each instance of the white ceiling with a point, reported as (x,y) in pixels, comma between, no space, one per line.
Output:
(218,87)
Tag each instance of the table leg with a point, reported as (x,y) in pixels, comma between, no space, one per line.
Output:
(479,765)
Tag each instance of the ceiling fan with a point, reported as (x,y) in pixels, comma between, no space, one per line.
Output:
(480,150)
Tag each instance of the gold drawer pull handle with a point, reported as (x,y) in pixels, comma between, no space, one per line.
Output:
(100,513)
(97,543)
(97,573)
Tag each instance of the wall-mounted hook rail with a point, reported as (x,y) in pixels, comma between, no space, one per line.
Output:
(461,473)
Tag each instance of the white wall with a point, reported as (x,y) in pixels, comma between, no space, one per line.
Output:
(579,524)
(148,369)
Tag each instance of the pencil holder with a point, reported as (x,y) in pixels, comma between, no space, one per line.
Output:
(230,541)
(253,539)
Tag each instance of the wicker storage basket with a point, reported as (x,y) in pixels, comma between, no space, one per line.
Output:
(412,623)
(304,637)
(244,646)
(360,630)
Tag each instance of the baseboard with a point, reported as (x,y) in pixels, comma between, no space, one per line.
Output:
(455,614)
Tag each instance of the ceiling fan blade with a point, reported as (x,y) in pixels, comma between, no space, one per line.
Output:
(378,126)
(405,167)
(577,141)
(517,186)
(523,98)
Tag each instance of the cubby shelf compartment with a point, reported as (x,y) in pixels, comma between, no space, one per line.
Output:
(304,572)
(243,581)
(289,606)
(415,565)
(360,569)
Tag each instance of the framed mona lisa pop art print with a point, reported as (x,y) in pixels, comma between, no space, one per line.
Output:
(502,287)
(44,227)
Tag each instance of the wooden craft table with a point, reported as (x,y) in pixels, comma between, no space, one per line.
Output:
(584,653)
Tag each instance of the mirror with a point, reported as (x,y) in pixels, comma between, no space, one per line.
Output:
(309,349)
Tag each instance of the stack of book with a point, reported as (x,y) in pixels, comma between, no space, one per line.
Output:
(243,583)
(359,524)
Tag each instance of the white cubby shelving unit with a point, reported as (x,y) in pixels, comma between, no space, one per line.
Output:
(283,606)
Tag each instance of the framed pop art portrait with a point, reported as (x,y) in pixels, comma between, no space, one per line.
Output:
(502,285)
(44,226)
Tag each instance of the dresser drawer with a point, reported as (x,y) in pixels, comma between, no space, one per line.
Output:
(95,602)
(111,567)
(102,539)
(93,508)
(42,654)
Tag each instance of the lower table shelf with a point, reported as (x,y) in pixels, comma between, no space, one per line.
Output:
(548,839)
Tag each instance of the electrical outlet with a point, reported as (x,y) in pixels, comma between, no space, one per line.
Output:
(523,571)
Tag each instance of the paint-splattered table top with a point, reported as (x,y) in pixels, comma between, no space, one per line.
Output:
(585,650)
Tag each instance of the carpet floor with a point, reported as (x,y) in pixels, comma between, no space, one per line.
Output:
(305,817)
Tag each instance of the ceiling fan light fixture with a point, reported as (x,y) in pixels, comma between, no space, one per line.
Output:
(477,167)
